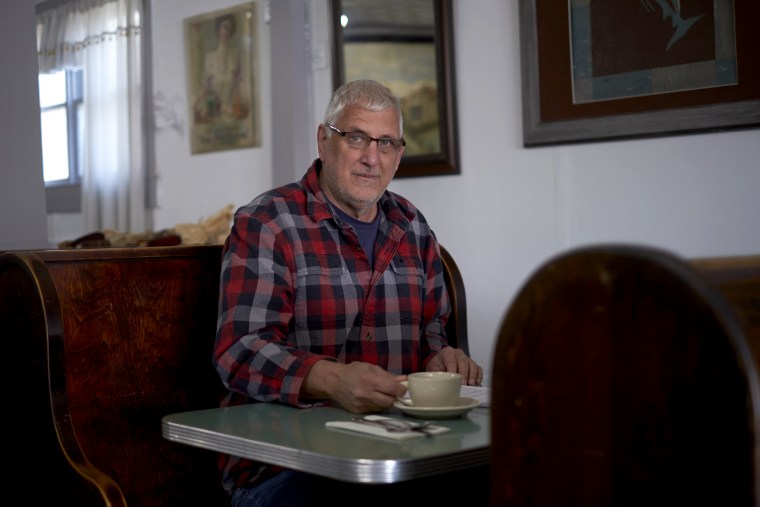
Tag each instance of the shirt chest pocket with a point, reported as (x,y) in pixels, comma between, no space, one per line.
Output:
(405,289)
(325,297)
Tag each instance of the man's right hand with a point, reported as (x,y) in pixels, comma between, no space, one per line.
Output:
(357,387)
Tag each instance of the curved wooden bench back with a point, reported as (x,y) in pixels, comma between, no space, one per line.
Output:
(34,391)
(625,376)
(456,326)
(136,328)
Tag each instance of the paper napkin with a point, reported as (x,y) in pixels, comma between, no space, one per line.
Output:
(480,393)
(379,431)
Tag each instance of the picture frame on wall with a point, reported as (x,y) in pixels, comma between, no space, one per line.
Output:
(595,70)
(409,47)
(223,79)
(414,78)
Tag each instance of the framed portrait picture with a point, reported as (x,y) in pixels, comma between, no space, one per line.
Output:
(610,69)
(223,79)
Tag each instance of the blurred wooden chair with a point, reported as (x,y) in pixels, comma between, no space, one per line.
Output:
(456,327)
(626,376)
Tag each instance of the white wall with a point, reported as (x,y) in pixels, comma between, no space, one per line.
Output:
(23,223)
(512,208)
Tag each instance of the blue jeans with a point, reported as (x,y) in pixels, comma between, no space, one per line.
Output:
(298,489)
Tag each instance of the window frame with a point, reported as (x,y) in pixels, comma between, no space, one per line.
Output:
(65,195)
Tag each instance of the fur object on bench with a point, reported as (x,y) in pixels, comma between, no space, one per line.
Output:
(212,230)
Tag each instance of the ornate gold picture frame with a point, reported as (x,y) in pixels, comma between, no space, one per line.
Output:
(223,79)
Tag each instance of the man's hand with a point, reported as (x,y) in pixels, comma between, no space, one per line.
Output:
(455,360)
(357,387)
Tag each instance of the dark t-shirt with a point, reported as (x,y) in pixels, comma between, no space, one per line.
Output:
(367,231)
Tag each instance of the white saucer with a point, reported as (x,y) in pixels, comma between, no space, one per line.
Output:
(461,408)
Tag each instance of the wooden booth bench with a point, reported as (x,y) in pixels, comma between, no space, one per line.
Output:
(626,376)
(99,344)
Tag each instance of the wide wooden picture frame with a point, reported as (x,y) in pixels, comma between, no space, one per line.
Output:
(647,90)
(430,112)
(223,79)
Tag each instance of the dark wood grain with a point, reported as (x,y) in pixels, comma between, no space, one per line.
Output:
(37,421)
(627,376)
(128,335)
(456,326)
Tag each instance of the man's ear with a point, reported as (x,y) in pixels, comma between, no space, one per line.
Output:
(321,140)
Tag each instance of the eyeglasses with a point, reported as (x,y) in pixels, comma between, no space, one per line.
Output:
(361,141)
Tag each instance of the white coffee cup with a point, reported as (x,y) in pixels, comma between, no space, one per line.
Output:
(432,389)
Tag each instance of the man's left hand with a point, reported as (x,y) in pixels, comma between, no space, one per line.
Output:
(455,360)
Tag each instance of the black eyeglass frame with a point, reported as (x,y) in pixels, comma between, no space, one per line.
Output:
(376,139)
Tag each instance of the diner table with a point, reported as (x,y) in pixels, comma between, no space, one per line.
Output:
(297,438)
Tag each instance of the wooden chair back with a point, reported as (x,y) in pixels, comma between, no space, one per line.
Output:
(456,327)
(626,376)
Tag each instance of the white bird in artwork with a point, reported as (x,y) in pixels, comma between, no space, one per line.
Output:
(681,25)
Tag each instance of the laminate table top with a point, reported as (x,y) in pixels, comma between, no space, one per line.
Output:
(297,438)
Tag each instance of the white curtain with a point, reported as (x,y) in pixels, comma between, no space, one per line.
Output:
(104,37)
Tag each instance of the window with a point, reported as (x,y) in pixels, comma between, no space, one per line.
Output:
(101,167)
(62,123)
